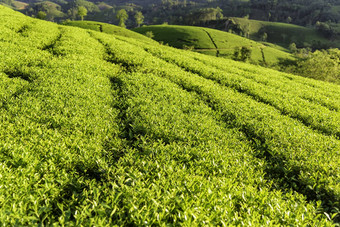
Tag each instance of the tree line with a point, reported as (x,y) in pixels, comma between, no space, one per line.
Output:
(301,12)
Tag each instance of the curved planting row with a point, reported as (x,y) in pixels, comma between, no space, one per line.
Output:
(304,159)
(57,115)
(314,115)
(321,93)
(186,168)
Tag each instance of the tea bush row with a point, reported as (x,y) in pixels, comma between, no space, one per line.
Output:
(304,158)
(97,131)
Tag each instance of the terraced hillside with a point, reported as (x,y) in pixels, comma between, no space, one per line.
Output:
(98,129)
(282,33)
(214,42)
(107,28)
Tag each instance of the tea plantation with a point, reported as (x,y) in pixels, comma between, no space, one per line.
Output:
(107,28)
(101,130)
(213,42)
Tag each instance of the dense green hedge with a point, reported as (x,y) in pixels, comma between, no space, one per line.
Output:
(101,130)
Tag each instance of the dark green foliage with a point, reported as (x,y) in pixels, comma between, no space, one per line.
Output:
(52,10)
(122,16)
(325,29)
(305,13)
(242,54)
(292,48)
(320,65)
(139,18)
(149,34)
(82,12)
(204,14)
(41,15)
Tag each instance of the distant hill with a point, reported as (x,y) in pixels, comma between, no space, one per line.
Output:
(19,5)
(107,28)
(278,33)
(213,42)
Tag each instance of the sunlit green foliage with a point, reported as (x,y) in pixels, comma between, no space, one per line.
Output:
(321,65)
(139,18)
(211,41)
(122,16)
(98,130)
(82,12)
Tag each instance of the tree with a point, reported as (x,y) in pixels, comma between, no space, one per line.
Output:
(72,7)
(293,48)
(45,10)
(122,16)
(219,14)
(205,14)
(139,18)
(82,12)
(321,65)
(246,28)
(245,53)
(41,15)
(325,28)
(289,20)
(242,54)
(72,13)
(90,6)
(149,34)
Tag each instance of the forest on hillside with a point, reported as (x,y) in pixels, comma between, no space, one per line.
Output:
(301,12)
(322,15)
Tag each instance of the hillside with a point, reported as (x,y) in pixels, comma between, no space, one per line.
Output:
(194,12)
(279,33)
(107,28)
(213,42)
(102,130)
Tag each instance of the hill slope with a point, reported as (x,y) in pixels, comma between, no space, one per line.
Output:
(98,129)
(279,33)
(107,28)
(212,41)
